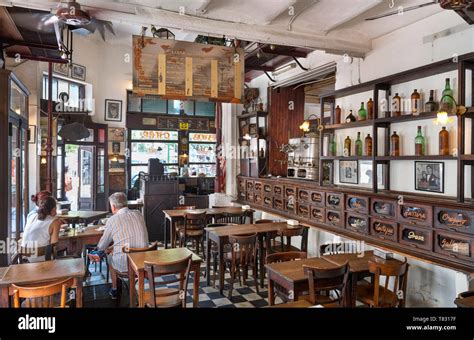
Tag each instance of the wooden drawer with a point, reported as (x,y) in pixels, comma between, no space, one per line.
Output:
(258,198)
(318,214)
(304,195)
(415,237)
(243,195)
(278,190)
(335,218)
(416,214)
(317,198)
(278,203)
(383,229)
(268,201)
(268,189)
(357,204)
(290,205)
(241,184)
(250,185)
(258,186)
(453,245)
(290,191)
(459,221)
(303,210)
(357,223)
(383,208)
(250,197)
(334,200)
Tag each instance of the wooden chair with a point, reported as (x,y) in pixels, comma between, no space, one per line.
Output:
(180,224)
(286,234)
(194,224)
(375,295)
(25,253)
(243,255)
(41,296)
(166,297)
(465,299)
(214,250)
(236,218)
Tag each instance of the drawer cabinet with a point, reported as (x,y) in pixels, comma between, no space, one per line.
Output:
(278,203)
(250,197)
(334,200)
(250,185)
(290,205)
(267,189)
(335,218)
(278,190)
(459,221)
(453,245)
(258,198)
(268,201)
(415,237)
(416,214)
(357,223)
(304,195)
(303,210)
(383,229)
(317,198)
(258,186)
(357,204)
(241,185)
(318,214)
(290,191)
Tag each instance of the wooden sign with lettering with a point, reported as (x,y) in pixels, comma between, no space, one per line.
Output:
(454,220)
(186,70)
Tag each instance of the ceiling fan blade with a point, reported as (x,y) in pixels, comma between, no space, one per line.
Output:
(407,9)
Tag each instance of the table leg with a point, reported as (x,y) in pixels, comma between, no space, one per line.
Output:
(4,299)
(351,298)
(197,268)
(208,259)
(166,232)
(172,233)
(271,294)
(141,289)
(131,288)
(220,246)
(261,260)
(79,297)
(293,293)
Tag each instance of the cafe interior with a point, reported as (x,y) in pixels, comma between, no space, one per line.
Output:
(255,154)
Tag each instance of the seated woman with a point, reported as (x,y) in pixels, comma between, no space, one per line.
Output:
(41,230)
(35,199)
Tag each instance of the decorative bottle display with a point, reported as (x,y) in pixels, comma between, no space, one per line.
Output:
(395,145)
(396,106)
(444,142)
(370,109)
(419,143)
(362,112)
(350,118)
(333,147)
(447,103)
(358,145)
(415,103)
(338,115)
(431,105)
(368,145)
(347,147)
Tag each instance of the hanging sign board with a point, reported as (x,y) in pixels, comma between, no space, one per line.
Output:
(187,70)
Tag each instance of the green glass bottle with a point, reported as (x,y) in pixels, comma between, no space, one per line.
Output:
(358,145)
(332,147)
(419,143)
(362,112)
(448,101)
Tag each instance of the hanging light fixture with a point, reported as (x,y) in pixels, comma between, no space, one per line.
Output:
(306,126)
(442,116)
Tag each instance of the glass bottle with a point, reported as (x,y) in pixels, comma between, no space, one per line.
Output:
(368,145)
(337,115)
(362,112)
(447,102)
(396,106)
(347,147)
(419,143)
(395,145)
(444,142)
(431,105)
(370,109)
(415,103)
(261,154)
(350,117)
(358,145)
(332,147)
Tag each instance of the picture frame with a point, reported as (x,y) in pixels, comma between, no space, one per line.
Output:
(116,147)
(429,176)
(365,174)
(113,110)
(32,134)
(349,172)
(62,69)
(116,135)
(328,173)
(78,72)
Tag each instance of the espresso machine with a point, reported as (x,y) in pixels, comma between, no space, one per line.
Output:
(303,158)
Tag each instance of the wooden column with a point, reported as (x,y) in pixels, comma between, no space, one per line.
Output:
(49,139)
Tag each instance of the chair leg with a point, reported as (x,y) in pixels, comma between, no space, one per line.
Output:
(107,270)
(232,279)
(255,275)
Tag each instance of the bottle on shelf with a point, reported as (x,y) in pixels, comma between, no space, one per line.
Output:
(447,103)
(337,115)
(431,105)
(396,106)
(415,103)
(419,143)
(370,109)
(350,117)
(261,153)
(358,146)
(368,145)
(444,142)
(333,147)
(347,147)
(362,112)
(395,145)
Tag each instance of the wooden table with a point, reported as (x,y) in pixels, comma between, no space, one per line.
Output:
(467,302)
(221,235)
(75,242)
(82,216)
(40,272)
(136,268)
(174,216)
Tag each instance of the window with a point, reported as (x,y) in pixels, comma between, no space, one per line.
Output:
(202,154)
(75,91)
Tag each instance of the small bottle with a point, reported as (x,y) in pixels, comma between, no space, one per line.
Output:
(396,106)
(261,154)
(350,118)
(444,142)
(368,145)
(370,109)
(395,145)
(415,103)
(431,105)
(347,147)
(419,143)
(337,115)
(333,147)
(362,112)
(358,145)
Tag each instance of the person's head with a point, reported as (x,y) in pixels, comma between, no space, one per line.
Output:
(429,169)
(39,196)
(118,201)
(46,207)
(424,175)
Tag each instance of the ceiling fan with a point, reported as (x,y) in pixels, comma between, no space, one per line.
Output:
(465,8)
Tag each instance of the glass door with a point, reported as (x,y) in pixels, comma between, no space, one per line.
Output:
(86,178)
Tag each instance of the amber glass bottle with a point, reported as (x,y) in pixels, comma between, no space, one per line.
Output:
(395,145)
(347,147)
(368,145)
(370,109)
(338,115)
(396,106)
(415,103)
(444,142)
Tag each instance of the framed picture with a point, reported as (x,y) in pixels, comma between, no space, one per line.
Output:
(327,173)
(62,69)
(116,148)
(348,172)
(78,72)
(113,110)
(116,135)
(365,174)
(32,134)
(429,176)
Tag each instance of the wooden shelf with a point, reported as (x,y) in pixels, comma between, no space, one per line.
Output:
(467,158)
(351,158)
(416,158)
(408,118)
(352,125)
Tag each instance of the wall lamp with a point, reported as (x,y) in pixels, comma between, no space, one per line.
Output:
(442,116)
(306,126)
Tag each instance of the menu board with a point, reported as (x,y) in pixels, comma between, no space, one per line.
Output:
(187,70)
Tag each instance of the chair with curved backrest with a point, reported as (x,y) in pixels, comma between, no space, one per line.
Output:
(165,297)
(24,253)
(326,281)
(237,218)
(193,229)
(392,293)
(465,299)
(287,234)
(214,250)
(179,224)
(41,296)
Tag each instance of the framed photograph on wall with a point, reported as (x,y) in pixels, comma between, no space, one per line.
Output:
(348,172)
(62,69)
(327,173)
(116,135)
(113,110)
(116,148)
(78,72)
(365,174)
(429,176)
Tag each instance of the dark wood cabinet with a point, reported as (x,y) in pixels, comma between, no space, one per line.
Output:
(384,229)
(416,214)
(416,237)
(357,204)
(459,221)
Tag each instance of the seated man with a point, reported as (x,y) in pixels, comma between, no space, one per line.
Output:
(125,229)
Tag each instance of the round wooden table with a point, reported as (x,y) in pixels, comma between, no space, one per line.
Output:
(465,302)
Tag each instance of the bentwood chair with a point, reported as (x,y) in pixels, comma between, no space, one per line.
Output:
(193,229)
(236,218)
(159,295)
(42,296)
(287,234)
(179,224)
(392,293)
(215,251)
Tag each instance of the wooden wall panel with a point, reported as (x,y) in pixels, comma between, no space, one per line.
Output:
(283,124)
